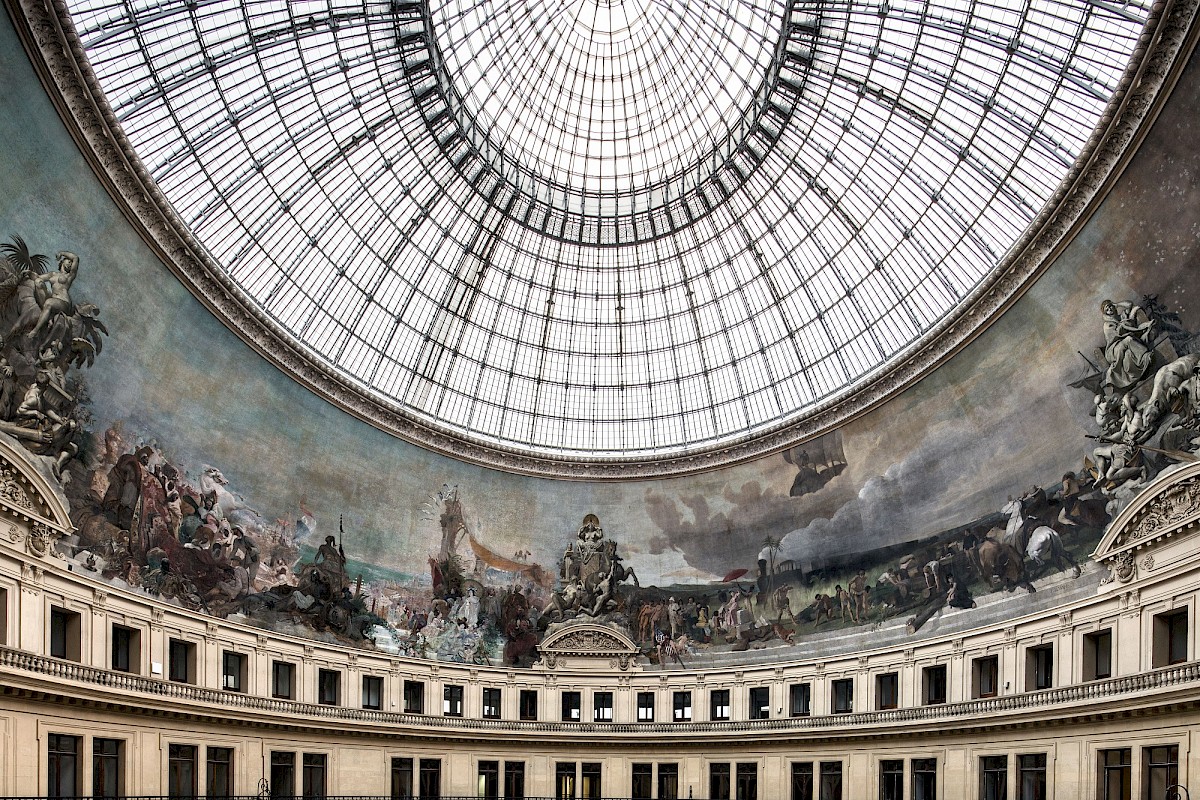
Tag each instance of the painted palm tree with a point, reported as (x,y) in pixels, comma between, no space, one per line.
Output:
(773,546)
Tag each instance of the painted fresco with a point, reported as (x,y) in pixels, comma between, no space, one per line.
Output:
(199,474)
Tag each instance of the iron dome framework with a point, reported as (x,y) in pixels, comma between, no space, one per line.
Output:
(602,230)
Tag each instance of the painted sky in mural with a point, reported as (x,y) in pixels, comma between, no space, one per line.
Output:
(997,419)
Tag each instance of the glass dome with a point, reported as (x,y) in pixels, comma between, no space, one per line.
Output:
(608,229)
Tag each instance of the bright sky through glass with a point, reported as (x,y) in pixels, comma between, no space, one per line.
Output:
(600,228)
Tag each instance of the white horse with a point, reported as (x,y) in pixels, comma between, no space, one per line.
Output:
(1045,547)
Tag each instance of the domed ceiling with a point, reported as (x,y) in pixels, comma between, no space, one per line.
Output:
(603,230)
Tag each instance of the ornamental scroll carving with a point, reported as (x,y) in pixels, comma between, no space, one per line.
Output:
(11,489)
(588,642)
(1170,508)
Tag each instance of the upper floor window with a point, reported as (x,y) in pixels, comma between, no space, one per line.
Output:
(887,691)
(1039,667)
(843,695)
(985,676)
(527,705)
(799,697)
(602,706)
(681,706)
(452,700)
(372,692)
(645,706)
(283,680)
(933,684)
(491,703)
(233,671)
(65,634)
(760,702)
(1170,638)
(329,684)
(414,697)
(1097,655)
(719,704)
(181,661)
(571,702)
(126,649)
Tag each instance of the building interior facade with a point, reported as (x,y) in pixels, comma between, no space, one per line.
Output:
(600,399)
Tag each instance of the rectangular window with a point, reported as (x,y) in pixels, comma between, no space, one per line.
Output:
(891,780)
(1031,776)
(528,704)
(720,782)
(181,661)
(65,634)
(589,782)
(887,691)
(565,773)
(233,671)
(283,680)
(414,697)
(1039,668)
(488,780)
(3,616)
(329,684)
(747,782)
(1116,774)
(718,705)
(843,696)
(219,772)
(402,778)
(799,697)
(313,776)
(452,700)
(602,706)
(571,702)
(993,778)
(1161,767)
(645,706)
(181,770)
(985,676)
(681,706)
(126,647)
(491,703)
(1170,638)
(429,779)
(107,779)
(668,782)
(802,780)
(283,774)
(1097,655)
(62,760)
(641,786)
(831,781)
(514,780)
(924,779)
(760,702)
(933,685)
(372,692)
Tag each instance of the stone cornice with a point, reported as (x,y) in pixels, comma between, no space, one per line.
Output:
(58,55)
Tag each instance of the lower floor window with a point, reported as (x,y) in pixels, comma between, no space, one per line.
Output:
(62,759)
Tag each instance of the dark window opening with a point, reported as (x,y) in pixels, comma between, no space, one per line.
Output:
(887,691)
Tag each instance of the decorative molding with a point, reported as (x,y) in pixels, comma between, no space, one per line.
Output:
(1169,506)
(57,53)
(587,640)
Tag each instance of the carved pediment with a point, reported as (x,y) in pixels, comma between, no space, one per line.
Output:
(587,640)
(1167,507)
(583,640)
(27,489)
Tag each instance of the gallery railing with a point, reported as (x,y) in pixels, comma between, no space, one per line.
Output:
(125,683)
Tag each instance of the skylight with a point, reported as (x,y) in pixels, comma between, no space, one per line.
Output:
(602,229)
